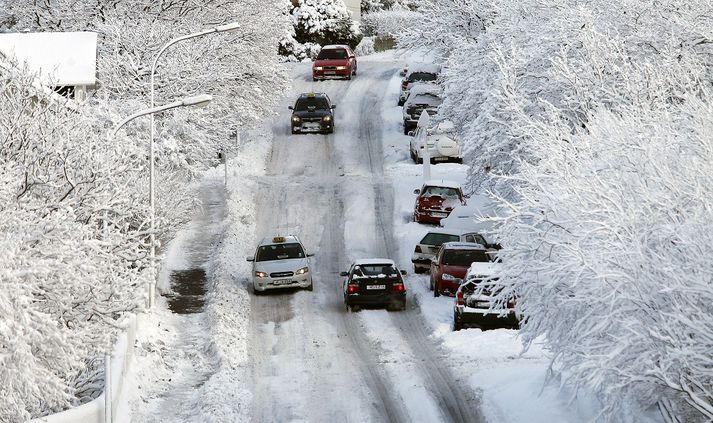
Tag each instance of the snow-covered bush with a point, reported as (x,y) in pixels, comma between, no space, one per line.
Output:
(317,23)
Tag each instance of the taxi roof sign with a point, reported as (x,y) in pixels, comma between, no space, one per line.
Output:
(277,239)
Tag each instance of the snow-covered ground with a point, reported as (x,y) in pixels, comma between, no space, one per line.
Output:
(300,356)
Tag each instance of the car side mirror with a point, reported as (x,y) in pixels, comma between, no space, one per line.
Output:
(417,191)
(334,106)
(310,254)
(403,273)
(250,258)
(343,273)
(458,281)
(411,133)
(290,107)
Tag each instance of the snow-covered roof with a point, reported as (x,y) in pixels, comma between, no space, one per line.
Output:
(431,99)
(423,67)
(369,261)
(441,183)
(335,46)
(424,88)
(478,268)
(450,231)
(62,58)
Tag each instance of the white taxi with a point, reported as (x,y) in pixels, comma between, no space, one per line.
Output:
(280,262)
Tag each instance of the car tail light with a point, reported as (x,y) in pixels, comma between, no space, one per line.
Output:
(352,288)
(418,249)
(398,287)
(404,84)
(460,298)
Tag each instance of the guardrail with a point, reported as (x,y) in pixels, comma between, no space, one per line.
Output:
(102,409)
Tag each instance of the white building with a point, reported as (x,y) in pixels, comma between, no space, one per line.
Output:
(354,7)
(64,61)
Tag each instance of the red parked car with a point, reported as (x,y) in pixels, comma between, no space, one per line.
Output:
(451,264)
(436,200)
(335,61)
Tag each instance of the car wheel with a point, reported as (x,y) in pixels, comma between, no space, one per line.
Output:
(436,291)
(401,102)
(457,325)
(355,308)
(418,270)
(256,292)
(420,161)
(430,284)
(310,287)
(405,130)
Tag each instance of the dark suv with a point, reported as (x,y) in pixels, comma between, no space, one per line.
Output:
(313,112)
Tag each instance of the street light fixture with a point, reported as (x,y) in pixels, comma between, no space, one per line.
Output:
(196,100)
(152,198)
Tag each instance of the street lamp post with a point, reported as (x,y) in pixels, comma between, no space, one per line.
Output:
(152,198)
(198,100)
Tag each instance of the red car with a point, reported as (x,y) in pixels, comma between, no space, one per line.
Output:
(436,200)
(335,61)
(451,264)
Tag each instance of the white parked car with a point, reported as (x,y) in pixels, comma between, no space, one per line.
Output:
(280,262)
(428,247)
(443,144)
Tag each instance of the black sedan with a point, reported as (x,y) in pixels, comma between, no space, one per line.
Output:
(312,113)
(374,282)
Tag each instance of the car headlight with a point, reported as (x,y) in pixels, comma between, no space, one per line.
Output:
(295,119)
(448,277)
(318,68)
(341,67)
(326,118)
(260,274)
(302,271)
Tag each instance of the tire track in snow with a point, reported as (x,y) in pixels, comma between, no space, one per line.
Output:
(458,404)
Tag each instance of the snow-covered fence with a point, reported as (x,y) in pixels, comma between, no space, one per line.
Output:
(94,411)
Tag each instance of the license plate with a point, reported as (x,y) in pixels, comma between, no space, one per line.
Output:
(441,159)
(329,72)
(310,126)
(436,214)
(376,287)
(282,281)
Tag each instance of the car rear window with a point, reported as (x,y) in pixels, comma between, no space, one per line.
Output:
(375,270)
(439,191)
(331,54)
(422,76)
(279,252)
(438,239)
(464,257)
(306,103)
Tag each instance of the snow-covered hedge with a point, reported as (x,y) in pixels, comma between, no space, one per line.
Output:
(592,122)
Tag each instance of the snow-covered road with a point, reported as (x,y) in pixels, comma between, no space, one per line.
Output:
(311,360)
(300,356)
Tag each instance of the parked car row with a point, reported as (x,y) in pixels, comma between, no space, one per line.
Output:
(460,261)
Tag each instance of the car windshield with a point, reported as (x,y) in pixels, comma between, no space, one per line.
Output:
(464,257)
(422,76)
(306,103)
(374,270)
(437,239)
(331,54)
(444,192)
(279,252)
(426,99)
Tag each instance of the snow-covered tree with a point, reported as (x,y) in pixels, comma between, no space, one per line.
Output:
(74,203)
